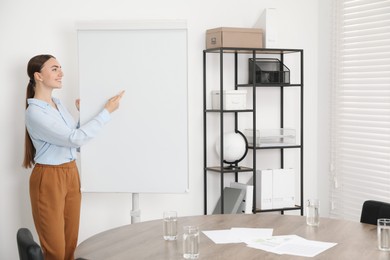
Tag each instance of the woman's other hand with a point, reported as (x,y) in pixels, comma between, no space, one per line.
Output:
(77,103)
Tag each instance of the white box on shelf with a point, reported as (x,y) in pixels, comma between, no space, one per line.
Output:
(232,99)
(271,137)
(275,188)
(268,21)
(264,180)
(283,188)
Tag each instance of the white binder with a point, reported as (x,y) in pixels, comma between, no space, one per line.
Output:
(264,180)
(284,188)
(275,188)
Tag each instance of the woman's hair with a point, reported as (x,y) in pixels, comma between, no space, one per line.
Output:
(34,65)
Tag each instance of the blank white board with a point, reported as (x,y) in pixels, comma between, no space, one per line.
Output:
(144,148)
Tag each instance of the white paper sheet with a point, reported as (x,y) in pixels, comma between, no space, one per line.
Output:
(244,234)
(261,238)
(291,245)
(270,244)
(237,235)
(221,236)
(303,247)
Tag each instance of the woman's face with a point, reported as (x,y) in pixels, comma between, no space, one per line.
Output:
(51,74)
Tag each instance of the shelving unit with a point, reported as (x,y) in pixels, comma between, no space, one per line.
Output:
(220,114)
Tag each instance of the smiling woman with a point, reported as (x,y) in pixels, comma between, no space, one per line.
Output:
(51,142)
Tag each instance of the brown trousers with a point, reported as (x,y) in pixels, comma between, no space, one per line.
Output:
(55,202)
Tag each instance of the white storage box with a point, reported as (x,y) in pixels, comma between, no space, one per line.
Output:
(232,99)
(271,137)
(275,188)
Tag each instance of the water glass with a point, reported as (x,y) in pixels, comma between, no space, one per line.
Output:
(313,212)
(191,242)
(383,228)
(170,225)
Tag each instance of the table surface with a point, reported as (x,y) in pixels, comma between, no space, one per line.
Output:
(144,240)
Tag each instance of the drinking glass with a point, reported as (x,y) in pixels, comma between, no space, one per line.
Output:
(383,228)
(191,242)
(170,225)
(313,212)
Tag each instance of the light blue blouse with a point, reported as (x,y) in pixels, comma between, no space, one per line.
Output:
(55,134)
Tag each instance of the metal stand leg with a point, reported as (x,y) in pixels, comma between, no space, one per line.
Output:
(135,212)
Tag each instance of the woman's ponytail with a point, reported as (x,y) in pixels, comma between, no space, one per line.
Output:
(34,65)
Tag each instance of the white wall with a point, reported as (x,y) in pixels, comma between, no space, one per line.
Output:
(324,101)
(32,27)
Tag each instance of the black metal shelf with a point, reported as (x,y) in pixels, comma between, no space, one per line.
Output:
(275,147)
(251,50)
(227,111)
(252,53)
(229,169)
(269,85)
(279,209)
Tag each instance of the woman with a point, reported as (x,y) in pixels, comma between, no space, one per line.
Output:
(52,137)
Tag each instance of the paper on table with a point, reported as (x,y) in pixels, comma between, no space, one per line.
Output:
(308,248)
(237,235)
(244,234)
(270,244)
(221,236)
(261,238)
(291,245)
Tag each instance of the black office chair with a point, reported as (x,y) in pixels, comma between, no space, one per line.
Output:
(28,248)
(372,210)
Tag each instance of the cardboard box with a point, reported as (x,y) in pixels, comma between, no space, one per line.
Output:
(234,37)
(232,99)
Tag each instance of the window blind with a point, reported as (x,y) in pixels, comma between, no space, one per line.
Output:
(360,116)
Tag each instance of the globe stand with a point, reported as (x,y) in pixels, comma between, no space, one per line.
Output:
(233,167)
(233,164)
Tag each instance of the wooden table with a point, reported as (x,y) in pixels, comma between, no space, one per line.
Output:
(144,240)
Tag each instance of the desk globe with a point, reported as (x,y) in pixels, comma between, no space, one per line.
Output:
(235,147)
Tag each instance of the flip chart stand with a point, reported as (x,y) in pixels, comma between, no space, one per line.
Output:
(135,212)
